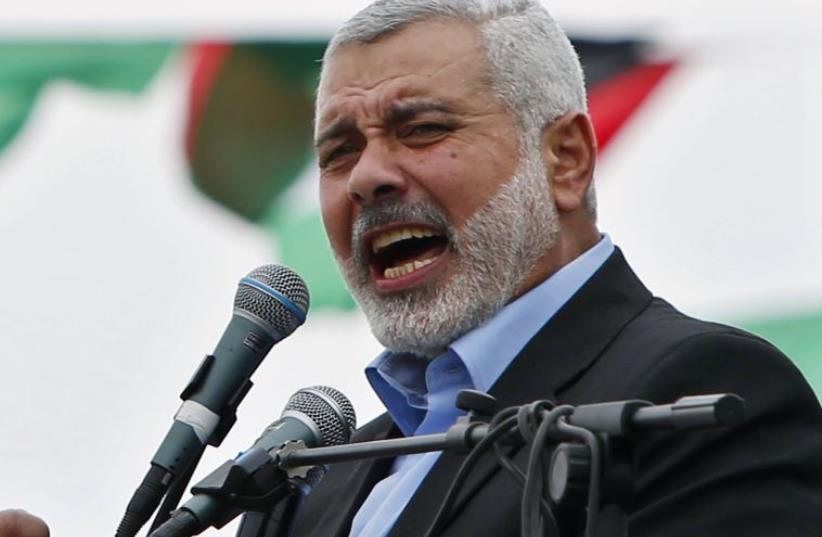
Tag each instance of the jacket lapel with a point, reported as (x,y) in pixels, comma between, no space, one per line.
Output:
(559,354)
(575,337)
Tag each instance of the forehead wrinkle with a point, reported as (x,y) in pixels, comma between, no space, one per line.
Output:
(371,96)
(351,90)
(401,109)
(361,89)
(328,105)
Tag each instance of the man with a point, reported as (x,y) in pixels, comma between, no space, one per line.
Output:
(456,186)
(456,162)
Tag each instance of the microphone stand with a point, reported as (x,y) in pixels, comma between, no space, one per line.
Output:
(593,457)
(592,462)
(614,424)
(277,520)
(459,438)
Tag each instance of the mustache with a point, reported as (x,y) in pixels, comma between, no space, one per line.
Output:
(374,216)
(390,211)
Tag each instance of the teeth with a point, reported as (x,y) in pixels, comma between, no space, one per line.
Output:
(390,237)
(407,268)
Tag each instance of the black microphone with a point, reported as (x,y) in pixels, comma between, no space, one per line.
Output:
(270,303)
(315,416)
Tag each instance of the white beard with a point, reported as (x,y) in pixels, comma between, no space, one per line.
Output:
(491,257)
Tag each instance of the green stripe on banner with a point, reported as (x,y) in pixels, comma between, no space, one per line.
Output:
(798,336)
(304,247)
(25,69)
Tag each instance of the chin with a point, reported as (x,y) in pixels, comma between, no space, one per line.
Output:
(426,320)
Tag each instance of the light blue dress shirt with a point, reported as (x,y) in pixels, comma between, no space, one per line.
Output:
(420,393)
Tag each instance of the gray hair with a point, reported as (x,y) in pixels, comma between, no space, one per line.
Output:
(534,70)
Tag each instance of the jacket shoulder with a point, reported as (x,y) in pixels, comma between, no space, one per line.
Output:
(664,353)
(761,477)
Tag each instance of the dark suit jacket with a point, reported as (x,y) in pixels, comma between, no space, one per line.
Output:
(614,341)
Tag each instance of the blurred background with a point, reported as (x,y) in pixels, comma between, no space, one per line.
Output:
(153,153)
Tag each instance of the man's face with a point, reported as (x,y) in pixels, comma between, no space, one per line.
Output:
(414,149)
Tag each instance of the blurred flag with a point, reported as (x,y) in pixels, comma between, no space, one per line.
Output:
(26,68)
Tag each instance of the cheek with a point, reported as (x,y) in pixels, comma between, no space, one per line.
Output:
(461,182)
(336,213)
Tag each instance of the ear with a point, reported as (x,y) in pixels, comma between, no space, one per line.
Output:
(569,152)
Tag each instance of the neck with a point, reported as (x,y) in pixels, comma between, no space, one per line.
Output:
(573,239)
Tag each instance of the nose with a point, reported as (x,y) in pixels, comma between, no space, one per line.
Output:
(376,175)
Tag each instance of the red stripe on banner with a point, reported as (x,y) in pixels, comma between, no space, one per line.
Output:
(208,59)
(612,102)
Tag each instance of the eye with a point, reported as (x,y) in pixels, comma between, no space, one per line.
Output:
(336,153)
(422,130)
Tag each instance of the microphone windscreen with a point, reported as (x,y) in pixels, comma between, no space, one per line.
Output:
(329,409)
(275,295)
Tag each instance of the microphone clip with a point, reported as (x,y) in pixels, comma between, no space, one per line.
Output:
(252,482)
(229,415)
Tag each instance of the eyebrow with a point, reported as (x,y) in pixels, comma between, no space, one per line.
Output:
(405,110)
(397,113)
(337,129)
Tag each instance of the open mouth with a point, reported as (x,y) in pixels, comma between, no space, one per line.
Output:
(404,249)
